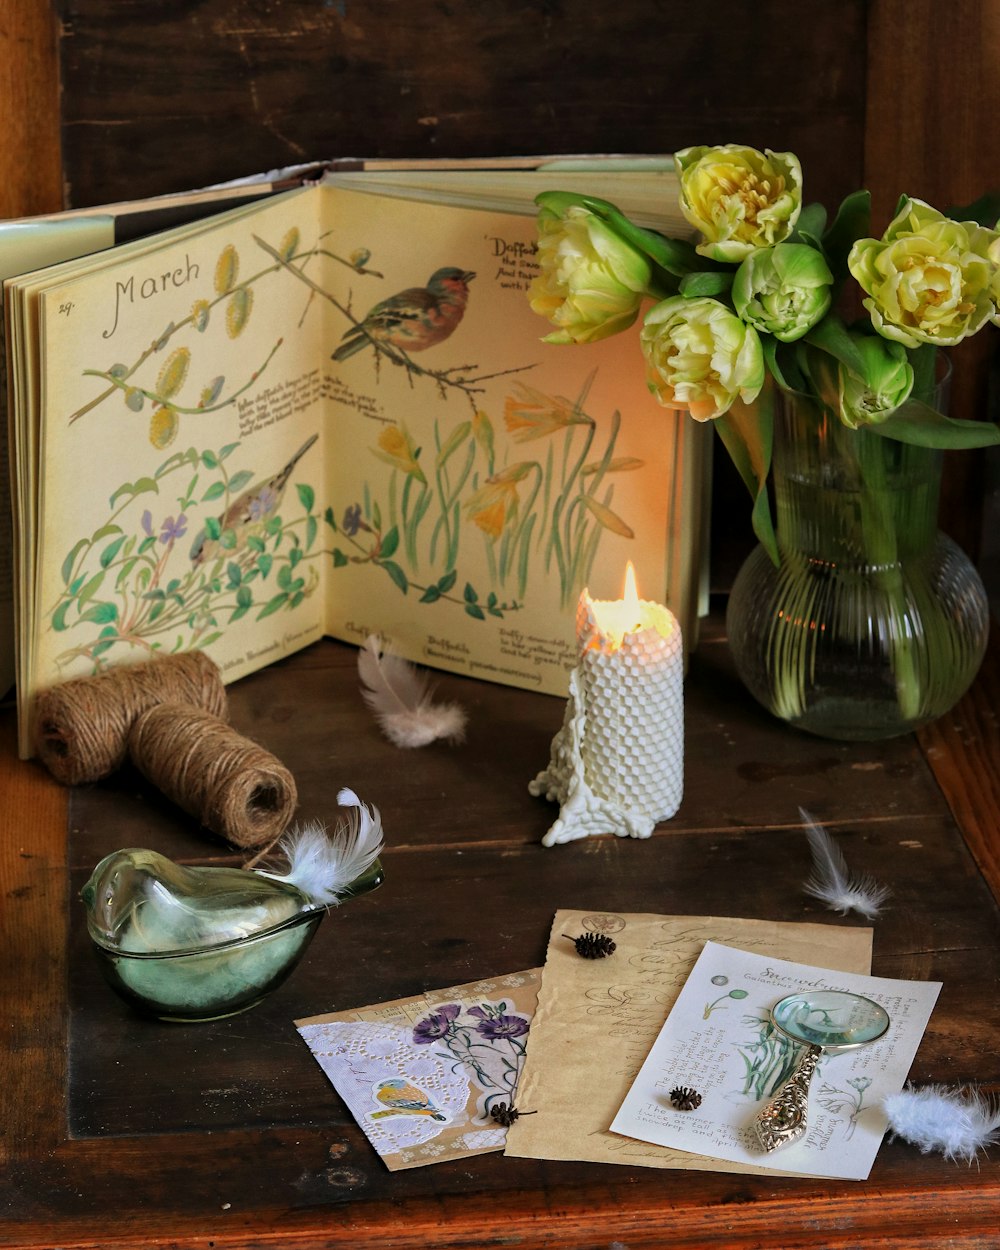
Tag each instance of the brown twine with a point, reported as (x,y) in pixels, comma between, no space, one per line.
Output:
(81,726)
(232,785)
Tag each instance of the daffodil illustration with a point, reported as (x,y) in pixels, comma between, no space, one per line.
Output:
(494,505)
(396,447)
(532,414)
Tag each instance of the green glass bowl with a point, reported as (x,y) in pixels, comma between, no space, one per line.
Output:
(197,944)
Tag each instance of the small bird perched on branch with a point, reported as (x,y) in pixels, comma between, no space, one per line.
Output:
(414,319)
(257,503)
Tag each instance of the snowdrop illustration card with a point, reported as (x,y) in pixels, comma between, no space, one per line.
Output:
(719,1039)
(422,1075)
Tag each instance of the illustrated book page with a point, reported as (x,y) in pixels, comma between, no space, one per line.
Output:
(491,476)
(738,1061)
(422,1075)
(166,513)
(597,1019)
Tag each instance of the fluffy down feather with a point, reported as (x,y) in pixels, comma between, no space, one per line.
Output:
(321,865)
(831,881)
(957,1122)
(398,696)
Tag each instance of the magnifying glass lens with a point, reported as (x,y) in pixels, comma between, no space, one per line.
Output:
(830,1018)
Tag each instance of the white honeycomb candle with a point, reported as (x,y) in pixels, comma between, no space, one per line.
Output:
(617,763)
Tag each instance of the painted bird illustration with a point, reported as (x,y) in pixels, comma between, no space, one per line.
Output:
(401,1098)
(414,319)
(256,504)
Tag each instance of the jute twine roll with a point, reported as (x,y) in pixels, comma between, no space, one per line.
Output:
(232,785)
(82,726)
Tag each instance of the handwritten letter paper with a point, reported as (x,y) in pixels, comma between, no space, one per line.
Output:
(597,1019)
(718,1038)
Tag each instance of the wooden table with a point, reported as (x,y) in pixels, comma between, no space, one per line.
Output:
(118,1131)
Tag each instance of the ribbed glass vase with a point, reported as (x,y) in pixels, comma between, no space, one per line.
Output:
(874,622)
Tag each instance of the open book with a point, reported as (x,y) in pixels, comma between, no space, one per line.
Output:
(211,447)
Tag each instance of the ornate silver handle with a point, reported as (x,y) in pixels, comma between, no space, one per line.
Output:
(783,1120)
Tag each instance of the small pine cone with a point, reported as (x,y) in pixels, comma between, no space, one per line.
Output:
(684,1098)
(592,945)
(505,1115)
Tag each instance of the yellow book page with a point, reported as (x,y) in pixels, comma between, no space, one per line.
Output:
(489,477)
(27,245)
(180,430)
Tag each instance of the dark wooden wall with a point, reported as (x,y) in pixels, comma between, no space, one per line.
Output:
(162,95)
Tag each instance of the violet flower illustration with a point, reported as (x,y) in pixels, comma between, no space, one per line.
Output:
(494,1028)
(436,1026)
(172,530)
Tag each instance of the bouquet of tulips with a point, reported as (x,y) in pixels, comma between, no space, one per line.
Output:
(753,305)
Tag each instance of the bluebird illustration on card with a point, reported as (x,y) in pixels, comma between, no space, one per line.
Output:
(790,1064)
(432,1077)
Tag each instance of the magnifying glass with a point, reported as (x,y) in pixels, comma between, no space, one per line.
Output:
(823,1022)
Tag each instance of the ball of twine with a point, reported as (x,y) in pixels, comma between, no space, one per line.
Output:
(81,727)
(233,786)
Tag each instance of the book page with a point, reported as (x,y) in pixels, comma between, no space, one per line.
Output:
(26,245)
(722,1041)
(180,450)
(488,477)
(607,1013)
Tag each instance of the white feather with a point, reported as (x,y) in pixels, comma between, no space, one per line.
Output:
(831,881)
(957,1122)
(321,865)
(398,696)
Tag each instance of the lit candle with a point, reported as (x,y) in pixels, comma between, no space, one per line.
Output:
(617,763)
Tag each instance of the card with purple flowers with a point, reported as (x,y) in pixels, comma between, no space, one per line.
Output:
(432,1077)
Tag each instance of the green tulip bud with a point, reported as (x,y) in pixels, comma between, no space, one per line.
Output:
(740,199)
(591,282)
(783,290)
(887,383)
(928,279)
(700,356)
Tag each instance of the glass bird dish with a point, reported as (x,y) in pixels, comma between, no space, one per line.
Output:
(196,944)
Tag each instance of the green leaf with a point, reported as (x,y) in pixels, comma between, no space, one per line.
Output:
(307,496)
(830,336)
(101,613)
(607,519)
(256,544)
(264,563)
(469,593)
(285,576)
(985,210)
(239,480)
(210,460)
(747,432)
(390,542)
(329,519)
(139,487)
(111,550)
(244,597)
(811,223)
(273,605)
(70,561)
(396,573)
(241,610)
(446,582)
(90,589)
(213,528)
(59,615)
(430,595)
(782,364)
(228,450)
(312,527)
(707,282)
(473,609)
(339,559)
(916,422)
(227,540)
(234,573)
(213,492)
(852,222)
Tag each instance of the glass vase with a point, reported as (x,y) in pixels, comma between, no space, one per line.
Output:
(874,622)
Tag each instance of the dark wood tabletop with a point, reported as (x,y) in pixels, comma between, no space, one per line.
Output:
(120,1131)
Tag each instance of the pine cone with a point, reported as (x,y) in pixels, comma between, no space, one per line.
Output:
(684,1098)
(592,945)
(505,1115)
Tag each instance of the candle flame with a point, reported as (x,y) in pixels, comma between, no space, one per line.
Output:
(630,594)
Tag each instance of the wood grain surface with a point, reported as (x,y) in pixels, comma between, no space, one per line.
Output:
(123,1132)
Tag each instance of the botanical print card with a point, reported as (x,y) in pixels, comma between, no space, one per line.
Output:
(597,1019)
(422,1075)
(719,1039)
